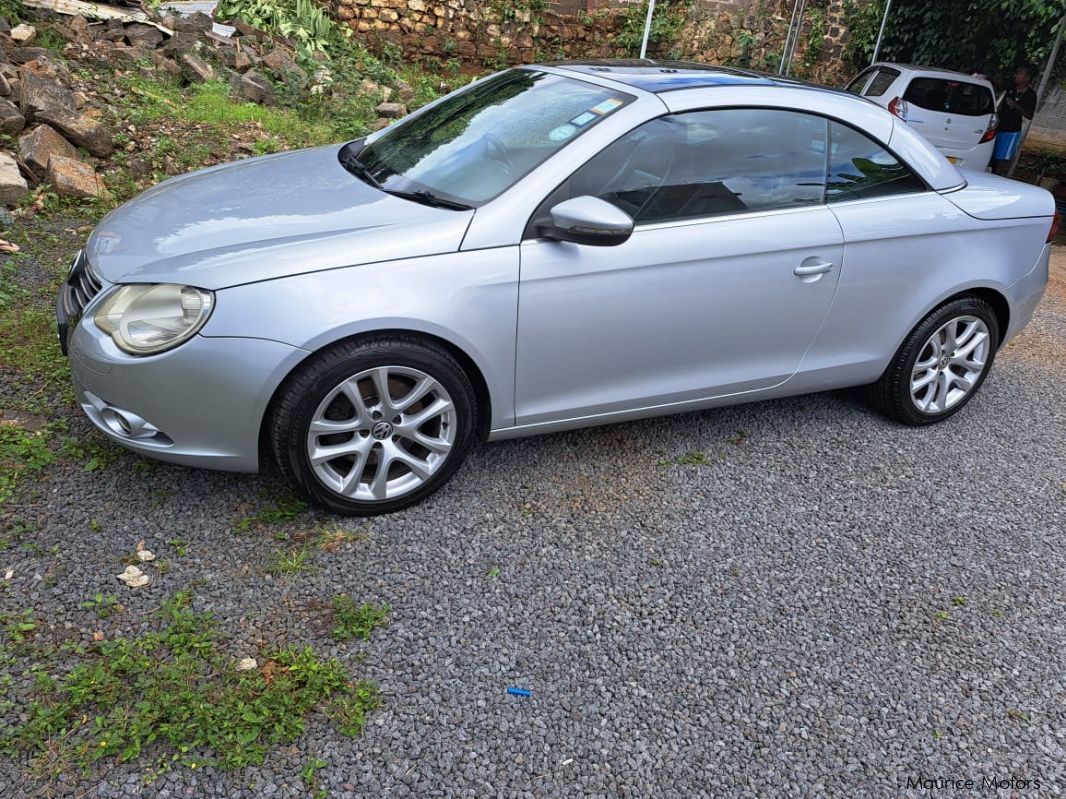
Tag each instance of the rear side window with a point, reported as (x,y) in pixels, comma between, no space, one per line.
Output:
(882,80)
(950,96)
(857,85)
(860,168)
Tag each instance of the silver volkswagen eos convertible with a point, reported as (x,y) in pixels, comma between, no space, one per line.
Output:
(550,247)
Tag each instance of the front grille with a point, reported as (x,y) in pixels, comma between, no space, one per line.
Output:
(84,285)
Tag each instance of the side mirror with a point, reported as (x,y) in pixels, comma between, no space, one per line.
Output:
(589,220)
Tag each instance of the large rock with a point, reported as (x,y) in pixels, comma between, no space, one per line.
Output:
(391,110)
(72,178)
(165,66)
(282,63)
(256,87)
(194,23)
(50,67)
(11,119)
(20,55)
(5,87)
(40,144)
(23,34)
(42,95)
(195,69)
(182,41)
(140,35)
(82,129)
(12,185)
(249,31)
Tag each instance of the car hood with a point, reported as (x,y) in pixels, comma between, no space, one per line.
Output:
(265,218)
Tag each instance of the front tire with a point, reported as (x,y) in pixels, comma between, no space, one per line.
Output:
(371,427)
(941,365)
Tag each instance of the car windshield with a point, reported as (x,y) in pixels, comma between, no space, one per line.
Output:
(475,145)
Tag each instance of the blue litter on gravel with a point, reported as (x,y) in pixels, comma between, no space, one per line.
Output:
(519,692)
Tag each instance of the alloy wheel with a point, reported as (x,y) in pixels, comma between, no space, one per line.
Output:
(381,433)
(950,364)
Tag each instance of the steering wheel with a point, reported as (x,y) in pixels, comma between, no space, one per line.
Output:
(497,151)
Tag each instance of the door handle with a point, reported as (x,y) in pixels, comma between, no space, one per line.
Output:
(806,269)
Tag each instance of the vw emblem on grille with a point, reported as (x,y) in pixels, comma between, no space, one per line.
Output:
(381,431)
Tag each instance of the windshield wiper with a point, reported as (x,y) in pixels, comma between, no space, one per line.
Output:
(429,198)
(359,169)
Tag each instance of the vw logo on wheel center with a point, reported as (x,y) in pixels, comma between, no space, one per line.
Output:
(381,431)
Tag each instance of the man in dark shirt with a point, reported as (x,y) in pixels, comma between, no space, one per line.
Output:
(1018,102)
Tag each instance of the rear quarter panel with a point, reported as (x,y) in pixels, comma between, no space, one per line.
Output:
(903,256)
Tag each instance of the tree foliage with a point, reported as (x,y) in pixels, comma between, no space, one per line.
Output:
(988,36)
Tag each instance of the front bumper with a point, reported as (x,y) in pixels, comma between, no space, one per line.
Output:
(199,404)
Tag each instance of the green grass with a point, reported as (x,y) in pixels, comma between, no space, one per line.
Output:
(693,458)
(292,561)
(357,621)
(105,605)
(22,453)
(279,507)
(175,688)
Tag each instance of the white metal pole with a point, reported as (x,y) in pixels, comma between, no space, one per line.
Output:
(796,37)
(788,38)
(881,33)
(647,29)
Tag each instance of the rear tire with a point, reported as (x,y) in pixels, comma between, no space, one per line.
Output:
(374,426)
(941,365)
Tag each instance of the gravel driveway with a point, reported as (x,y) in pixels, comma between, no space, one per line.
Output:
(822,604)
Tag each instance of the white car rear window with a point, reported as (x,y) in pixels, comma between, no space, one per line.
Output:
(950,96)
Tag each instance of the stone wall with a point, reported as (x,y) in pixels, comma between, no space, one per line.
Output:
(495,33)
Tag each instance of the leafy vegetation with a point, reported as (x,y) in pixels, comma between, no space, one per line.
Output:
(22,452)
(988,36)
(357,621)
(280,506)
(666,27)
(175,688)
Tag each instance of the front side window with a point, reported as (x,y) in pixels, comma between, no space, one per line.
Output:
(476,145)
(709,163)
(950,96)
(860,168)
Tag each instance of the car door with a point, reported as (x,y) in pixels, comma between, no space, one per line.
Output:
(730,270)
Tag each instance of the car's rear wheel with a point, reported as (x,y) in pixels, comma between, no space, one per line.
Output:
(371,427)
(941,365)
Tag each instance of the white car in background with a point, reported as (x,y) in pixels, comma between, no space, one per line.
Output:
(954,111)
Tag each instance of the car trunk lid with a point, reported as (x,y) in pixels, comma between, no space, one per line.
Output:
(991,197)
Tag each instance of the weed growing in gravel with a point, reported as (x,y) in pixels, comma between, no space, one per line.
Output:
(180,546)
(309,775)
(357,621)
(22,452)
(958,601)
(941,616)
(105,605)
(293,561)
(693,458)
(280,507)
(19,629)
(174,687)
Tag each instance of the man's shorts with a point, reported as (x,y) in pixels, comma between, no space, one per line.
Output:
(1006,145)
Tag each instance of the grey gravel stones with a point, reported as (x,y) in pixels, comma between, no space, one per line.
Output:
(833,605)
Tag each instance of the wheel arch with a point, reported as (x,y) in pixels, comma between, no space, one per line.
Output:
(469,365)
(993,297)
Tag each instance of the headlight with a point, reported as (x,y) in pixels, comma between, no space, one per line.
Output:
(146,319)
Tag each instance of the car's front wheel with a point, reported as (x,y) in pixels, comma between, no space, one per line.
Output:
(941,365)
(373,426)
